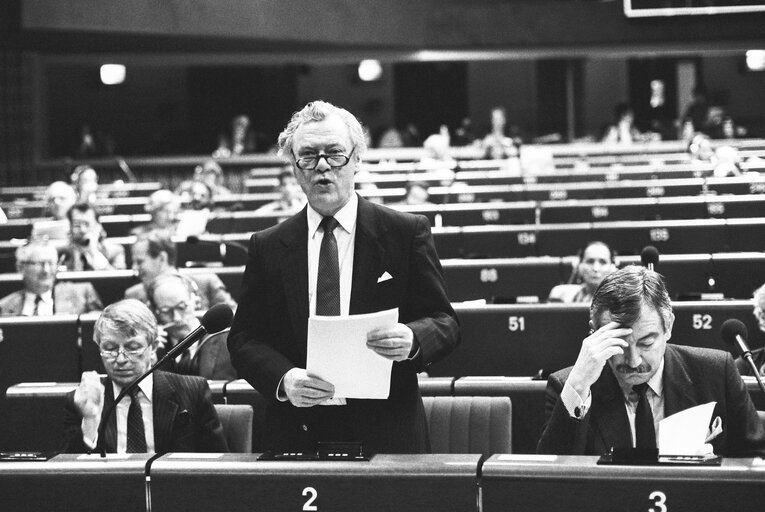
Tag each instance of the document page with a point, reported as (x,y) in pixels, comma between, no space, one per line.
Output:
(338,353)
(686,432)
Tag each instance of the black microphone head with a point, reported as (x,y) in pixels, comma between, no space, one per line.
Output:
(649,255)
(217,318)
(192,239)
(731,328)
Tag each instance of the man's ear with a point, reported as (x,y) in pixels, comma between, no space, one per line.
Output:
(592,327)
(670,323)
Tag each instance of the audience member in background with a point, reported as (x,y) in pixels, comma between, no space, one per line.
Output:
(173,298)
(85,183)
(154,255)
(164,206)
(660,118)
(713,124)
(596,261)
(391,138)
(623,130)
(696,110)
(171,413)
(496,144)
(700,148)
(88,249)
(627,378)
(242,139)
(758,355)
(196,194)
(42,295)
(211,173)
(59,197)
(291,197)
(464,134)
(416,193)
(726,162)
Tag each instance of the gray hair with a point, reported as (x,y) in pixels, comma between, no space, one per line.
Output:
(623,293)
(318,111)
(22,252)
(128,318)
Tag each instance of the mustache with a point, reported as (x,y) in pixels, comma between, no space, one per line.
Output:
(629,370)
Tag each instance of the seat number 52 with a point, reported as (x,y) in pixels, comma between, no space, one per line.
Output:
(659,501)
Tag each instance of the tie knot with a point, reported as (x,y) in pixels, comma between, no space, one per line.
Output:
(640,389)
(38,299)
(329,224)
(135,392)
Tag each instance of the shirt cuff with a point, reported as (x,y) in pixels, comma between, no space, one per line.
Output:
(575,405)
(280,394)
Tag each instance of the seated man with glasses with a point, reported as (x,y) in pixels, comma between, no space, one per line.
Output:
(167,412)
(173,297)
(37,263)
(758,355)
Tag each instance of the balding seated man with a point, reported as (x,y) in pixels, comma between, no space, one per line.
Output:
(173,296)
(167,413)
(37,263)
(154,255)
(627,378)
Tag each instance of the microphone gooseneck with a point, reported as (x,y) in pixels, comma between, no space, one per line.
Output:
(734,333)
(215,320)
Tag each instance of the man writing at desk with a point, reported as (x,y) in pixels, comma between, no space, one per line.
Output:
(167,412)
(339,255)
(627,378)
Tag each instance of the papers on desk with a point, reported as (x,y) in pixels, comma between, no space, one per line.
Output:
(687,432)
(338,353)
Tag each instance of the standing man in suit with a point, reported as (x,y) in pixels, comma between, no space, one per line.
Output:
(37,263)
(380,259)
(173,298)
(168,412)
(626,378)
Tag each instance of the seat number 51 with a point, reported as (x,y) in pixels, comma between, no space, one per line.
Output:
(659,501)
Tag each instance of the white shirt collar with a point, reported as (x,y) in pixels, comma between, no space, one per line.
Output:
(346,216)
(146,385)
(46,297)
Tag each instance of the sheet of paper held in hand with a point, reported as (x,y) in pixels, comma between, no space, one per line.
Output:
(685,432)
(338,353)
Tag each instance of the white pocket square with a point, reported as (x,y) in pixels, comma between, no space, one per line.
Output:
(384,277)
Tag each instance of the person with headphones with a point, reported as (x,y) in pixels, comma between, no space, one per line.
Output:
(173,299)
(596,261)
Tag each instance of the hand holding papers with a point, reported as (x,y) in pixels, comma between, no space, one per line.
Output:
(338,353)
(687,432)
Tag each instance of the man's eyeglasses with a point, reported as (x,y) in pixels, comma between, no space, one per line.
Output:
(168,313)
(132,353)
(39,265)
(311,162)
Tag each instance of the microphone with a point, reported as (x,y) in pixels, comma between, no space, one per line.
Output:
(122,164)
(734,333)
(215,320)
(649,257)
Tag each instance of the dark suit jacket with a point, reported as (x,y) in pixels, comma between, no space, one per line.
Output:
(758,357)
(211,360)
(68,298)
(692,376)
(184,417)
(268,336)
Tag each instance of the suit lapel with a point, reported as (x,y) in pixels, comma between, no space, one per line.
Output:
(611,424)
(679,392)
(294,264)
(165,407)
(368,253)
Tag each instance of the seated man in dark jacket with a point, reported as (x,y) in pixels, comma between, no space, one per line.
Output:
(168,412)
(626,378)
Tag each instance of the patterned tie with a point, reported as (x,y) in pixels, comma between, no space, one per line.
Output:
(136,436)
(645,435)
(328,279)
